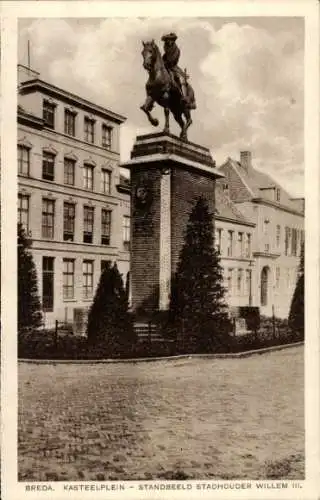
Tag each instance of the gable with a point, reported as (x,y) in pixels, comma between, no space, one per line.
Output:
(238,189)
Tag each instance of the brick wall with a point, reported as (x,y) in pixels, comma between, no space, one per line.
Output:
(145,248)
(186,186)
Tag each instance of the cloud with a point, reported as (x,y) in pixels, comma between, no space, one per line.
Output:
(248,79)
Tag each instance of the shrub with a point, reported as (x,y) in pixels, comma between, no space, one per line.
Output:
(296,314)
(197,307)
(29,307)
(109,324)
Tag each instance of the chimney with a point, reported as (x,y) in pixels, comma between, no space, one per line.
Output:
(245,159)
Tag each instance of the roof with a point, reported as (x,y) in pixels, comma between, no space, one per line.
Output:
(255,184)
(39,85)
(226,209)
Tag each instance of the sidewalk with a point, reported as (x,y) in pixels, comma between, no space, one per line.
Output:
(244,354)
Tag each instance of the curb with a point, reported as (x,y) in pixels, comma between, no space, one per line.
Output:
(244,354)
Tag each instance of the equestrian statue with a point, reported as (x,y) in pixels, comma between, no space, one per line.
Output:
(167,84)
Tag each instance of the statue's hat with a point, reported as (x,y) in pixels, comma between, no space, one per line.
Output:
(169,36)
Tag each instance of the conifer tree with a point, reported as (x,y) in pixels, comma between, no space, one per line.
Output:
(198,308)
(296,314)
(29,307)
(108,320)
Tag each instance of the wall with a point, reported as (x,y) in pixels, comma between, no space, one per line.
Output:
(237,296)
(186,187)
(268,253)
(36,188)
(32,102)
(145,240)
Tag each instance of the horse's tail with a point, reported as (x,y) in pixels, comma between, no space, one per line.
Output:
(191,97)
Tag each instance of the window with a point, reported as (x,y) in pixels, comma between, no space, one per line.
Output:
(294,241)
(266,235)
(88,216)
(301,246)
(105,226)
(229,281)
(104,264)
(48,166)
(23,160)
(88,177)
(278,193)
(47,219)
(68,221)
(68,278)
(239,281)
(105,181)
(48,113)
(47,283)
(126,232)
(264,286)
(87,270)
(288,277)
(247,282)
(230,244)
(106,136)
(89,130)
(277,277)
(298,243)
(69,169)
(23,211)
(218,239)
(278,235)
(240,244)
(248,245)
(287,240)
(69,122)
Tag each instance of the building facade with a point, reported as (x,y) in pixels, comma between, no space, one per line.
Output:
(278,235)
(70,195)
(233,239)
(75,203)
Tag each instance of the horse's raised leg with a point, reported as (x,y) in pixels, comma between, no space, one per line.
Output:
(147,107)
(166,123)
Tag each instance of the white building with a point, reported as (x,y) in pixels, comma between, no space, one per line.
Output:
(278,235)
(70,198)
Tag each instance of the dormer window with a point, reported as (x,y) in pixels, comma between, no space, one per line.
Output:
(277,194)
(48,113)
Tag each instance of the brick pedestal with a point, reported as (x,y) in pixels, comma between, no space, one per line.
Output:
(167,176)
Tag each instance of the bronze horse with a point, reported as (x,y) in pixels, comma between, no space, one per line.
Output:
(162,89)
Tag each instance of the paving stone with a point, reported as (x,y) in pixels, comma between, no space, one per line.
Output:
(201,418)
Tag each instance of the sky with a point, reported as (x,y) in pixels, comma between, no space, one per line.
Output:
(247,74)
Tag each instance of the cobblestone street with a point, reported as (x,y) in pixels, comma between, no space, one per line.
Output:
(188,418)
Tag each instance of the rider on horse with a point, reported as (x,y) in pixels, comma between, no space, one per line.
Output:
(171,58)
